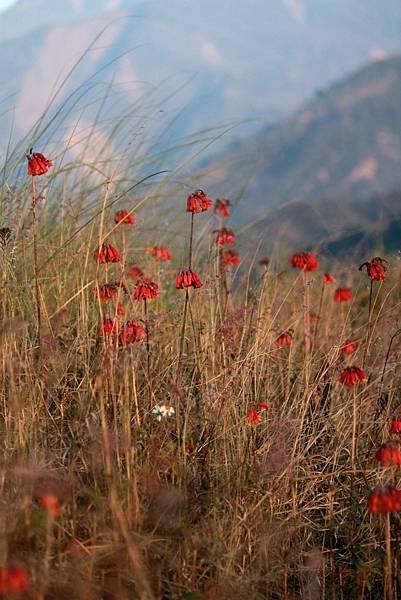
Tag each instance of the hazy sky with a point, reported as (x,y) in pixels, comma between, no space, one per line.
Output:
(6,3)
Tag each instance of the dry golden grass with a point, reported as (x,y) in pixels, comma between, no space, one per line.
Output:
(201,504)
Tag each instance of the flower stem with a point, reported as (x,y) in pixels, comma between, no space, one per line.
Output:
(36,267)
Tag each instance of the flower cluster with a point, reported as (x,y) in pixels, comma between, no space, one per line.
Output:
(384,499)
(14,578)
(349,347)
(285,338)
(342,294)
(186,279)
(305,261)
(38,164)
(376,268)
(350,376)
(106,253)
(198,202)
(145,289)
(222,207)
(123,217)
(388,455)
(159,253)
(253,415)
(225,237)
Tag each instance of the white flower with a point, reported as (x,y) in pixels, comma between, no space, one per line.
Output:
(162,411)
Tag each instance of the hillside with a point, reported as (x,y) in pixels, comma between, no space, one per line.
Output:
(260,61)
(336,227)
(346,143)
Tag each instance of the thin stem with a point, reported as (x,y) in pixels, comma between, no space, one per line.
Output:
(369,318)
(184,322)
(36,266)
(319,312)
(191,237)
(145,304)
(388,353)
(388,570)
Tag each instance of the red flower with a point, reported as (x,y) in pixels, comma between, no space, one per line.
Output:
(160,253)
(107,291)
(396,425)
(120,310)
(352,375)
(14,578)
(231,258)
(225,237)
(222,207)
(38,164)
(145,290)
(108,327)
(328,278)
(262,406)
(284,339)
(131,332)
(349,347)
(388,455)
(384,499)
(123,217)
(198,202)
(50,503)
(106,254)
(253,417)
(305,261)
(134,272)
(376,268)
(342,294)
(186,279)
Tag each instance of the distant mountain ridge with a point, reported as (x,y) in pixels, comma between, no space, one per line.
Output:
(259,61)
(344,144)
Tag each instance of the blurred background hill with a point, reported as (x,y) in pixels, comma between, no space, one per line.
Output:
(314,87)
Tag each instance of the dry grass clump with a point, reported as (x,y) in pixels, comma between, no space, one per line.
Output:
(178,434)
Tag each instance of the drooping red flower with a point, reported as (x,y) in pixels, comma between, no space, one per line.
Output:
(376,268)
(384,499)
(14,578)
(284,339)
(106,254)
(108,327)
(352,375)
(123,217)
(342,294)
(230,258)
(225,237)
(107,291)
(134,272)
(253,417)
(130,333)
(159,253)
(329,278)
(145,290)
(50,503)
(388,455)
(38,164)
(222,207)
(305,261)
(198,202)
(186,279)
(349,347)
(395,425)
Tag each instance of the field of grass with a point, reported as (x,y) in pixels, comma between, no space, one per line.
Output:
(195,452)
